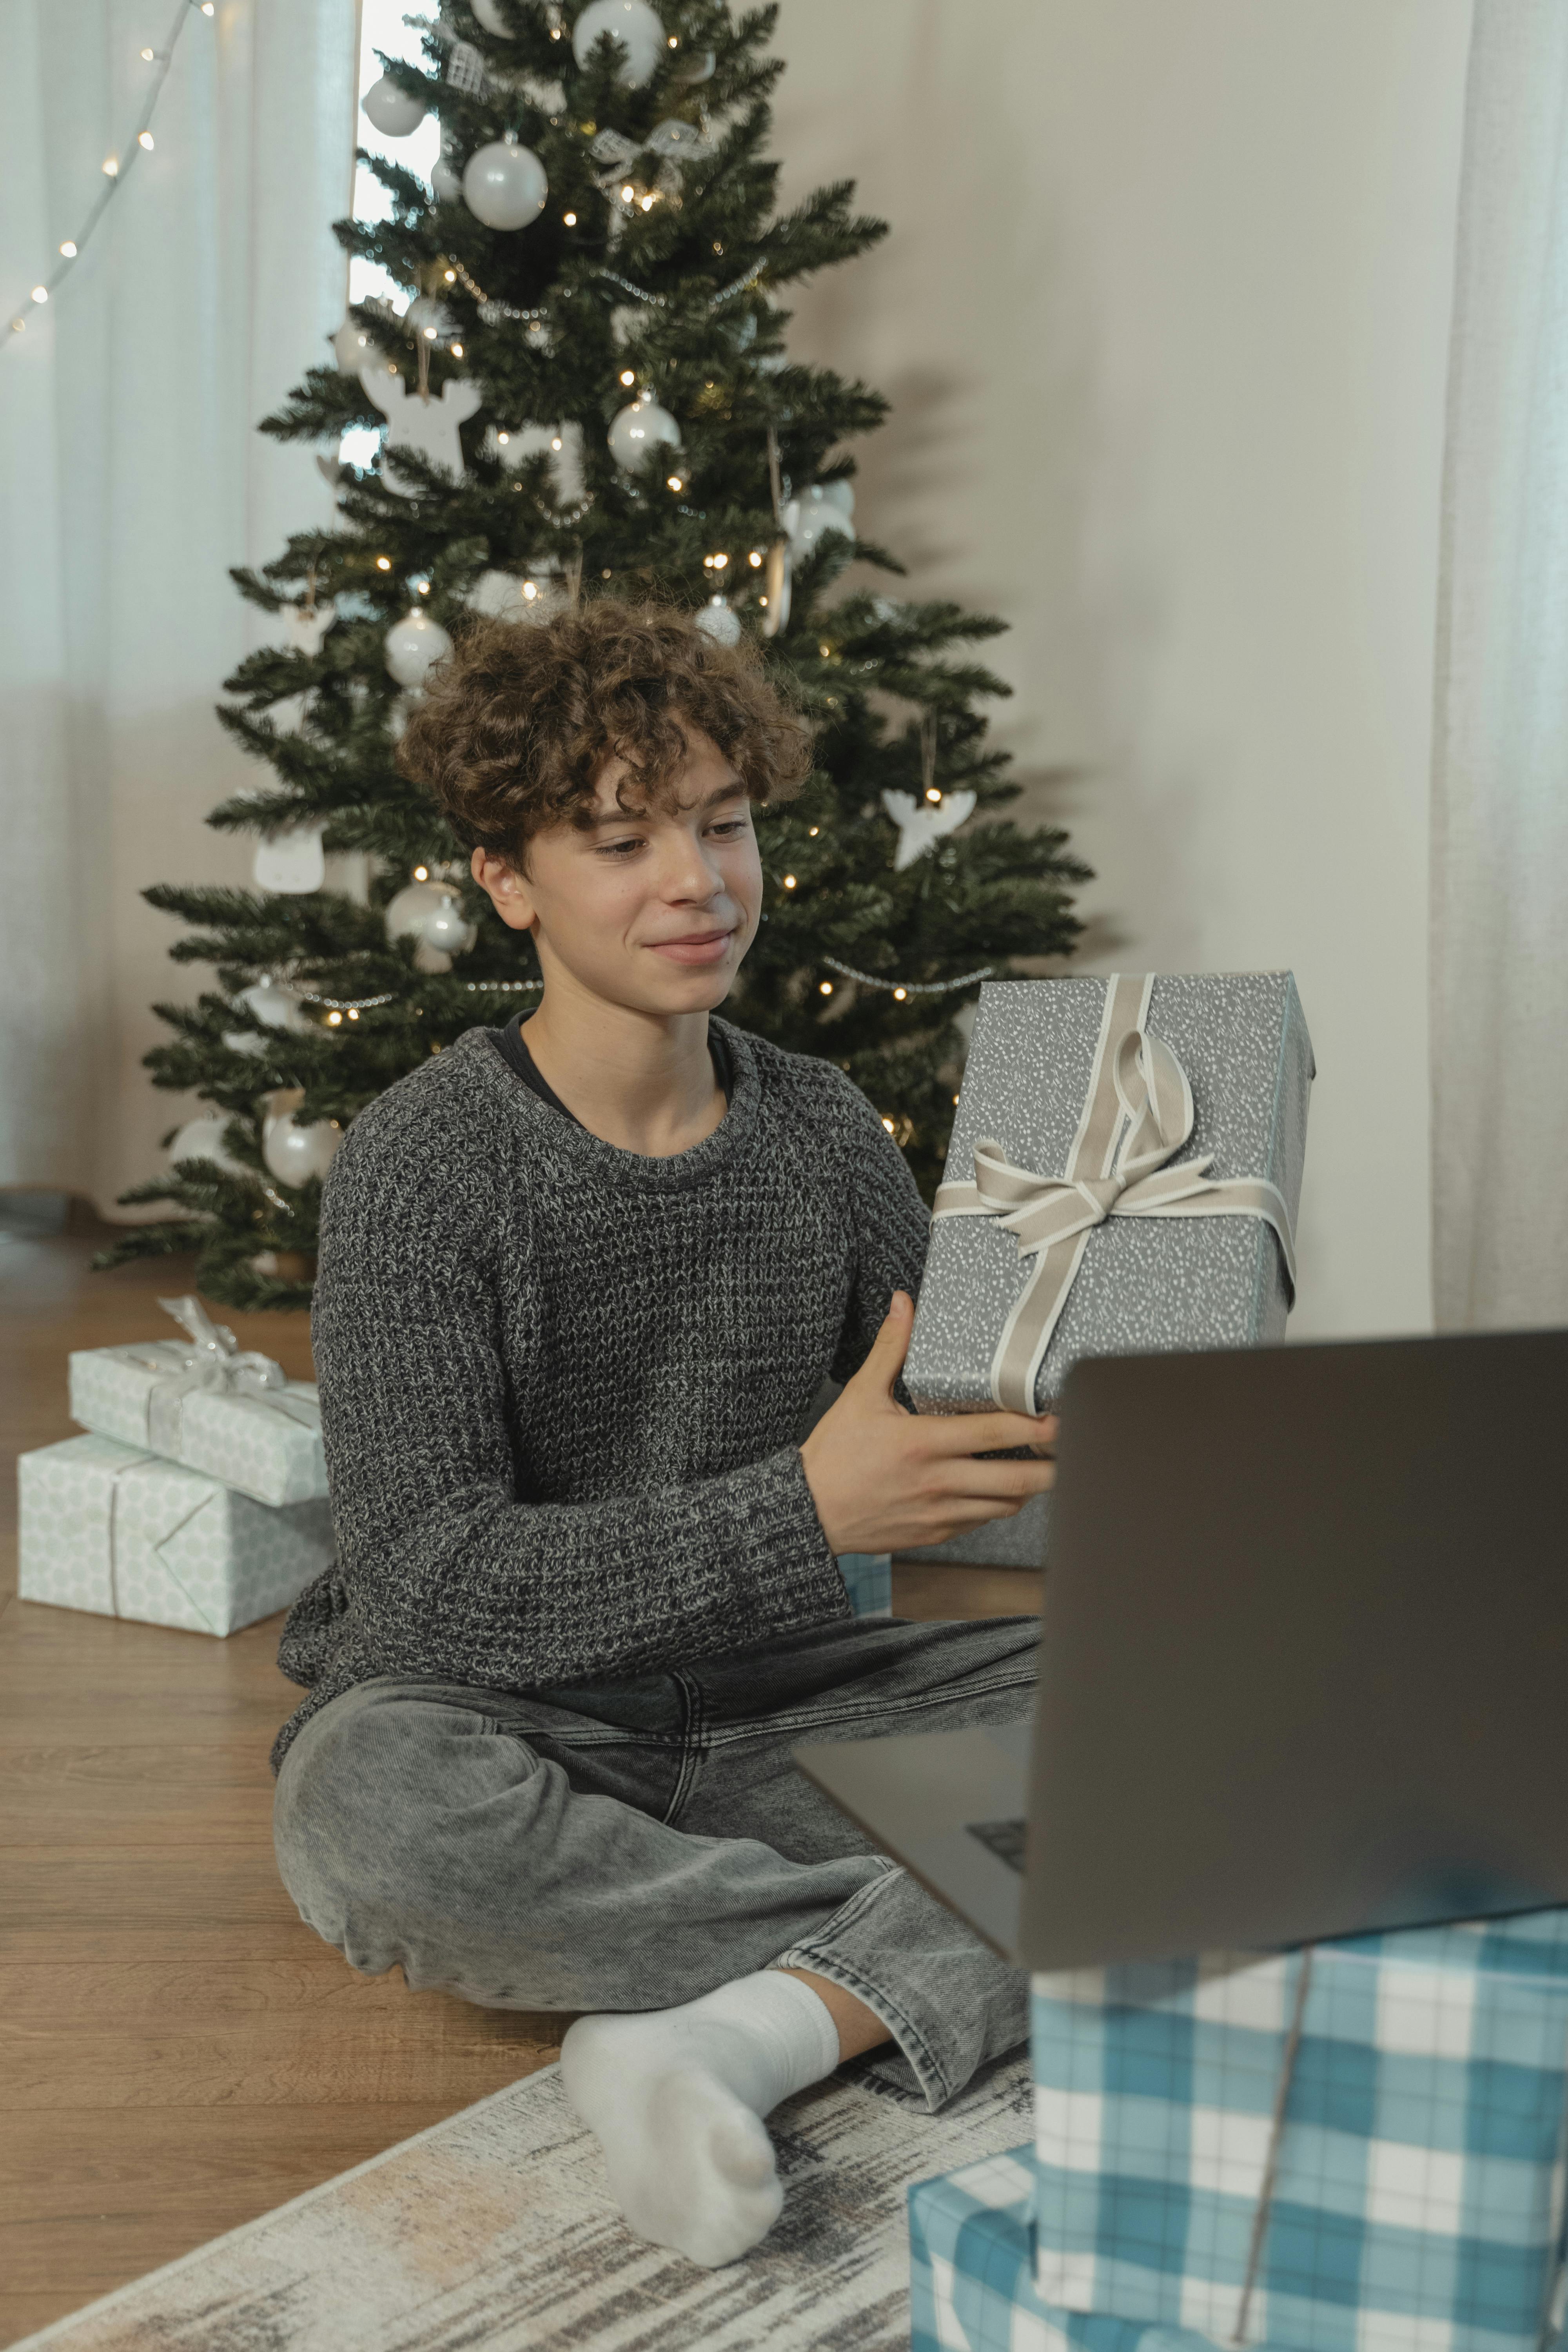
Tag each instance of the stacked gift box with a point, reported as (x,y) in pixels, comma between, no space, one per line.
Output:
(1358,2147)
(198,1498)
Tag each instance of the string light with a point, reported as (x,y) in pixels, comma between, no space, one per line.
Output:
(900,995)
(334,1020)
(570,218)
(353,1011)
(457,351)
(789,881)
(934,794)
(451,276)
(910,987)
(674,482)
(812,831)
(754,559)
(825,987)
(422,874)
(628,375)
(112,171)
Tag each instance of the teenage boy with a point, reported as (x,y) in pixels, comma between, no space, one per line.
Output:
(580,1280)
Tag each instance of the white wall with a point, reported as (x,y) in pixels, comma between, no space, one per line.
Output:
(1165,318)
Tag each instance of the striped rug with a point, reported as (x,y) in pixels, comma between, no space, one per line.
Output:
(495,2232)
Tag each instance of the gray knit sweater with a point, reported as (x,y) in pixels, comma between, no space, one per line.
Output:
(562,1385)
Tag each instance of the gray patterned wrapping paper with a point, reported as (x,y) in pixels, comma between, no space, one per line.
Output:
(1145,1287)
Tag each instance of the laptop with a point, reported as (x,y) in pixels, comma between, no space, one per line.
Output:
(1303,1663)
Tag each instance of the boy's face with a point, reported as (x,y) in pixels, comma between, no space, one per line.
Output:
(652,910)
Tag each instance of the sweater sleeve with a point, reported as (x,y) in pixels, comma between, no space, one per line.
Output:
(891,1229)
(438,1558)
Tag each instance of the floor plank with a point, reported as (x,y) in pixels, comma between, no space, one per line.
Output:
(178,2053)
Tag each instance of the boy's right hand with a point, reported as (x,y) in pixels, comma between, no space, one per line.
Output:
(887,1480)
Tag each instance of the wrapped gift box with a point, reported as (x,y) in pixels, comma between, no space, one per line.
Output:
(971,2288)
(1123,1179)
(108,1528)
(1358,2148)
(210,1409)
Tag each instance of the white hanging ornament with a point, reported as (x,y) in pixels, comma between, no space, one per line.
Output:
(391,110)
(813,516)
(431,914)
(718,620)
(504,184)
(294,1154)
(922,823)
(352,348)
(491,18)
(304,626)
(638,431)
(636,27)
(429,319)
(777,582)
(429,425)
(497,595)
(273,1007)
(563,444)
(413,646)
(291,862)
(203,1138)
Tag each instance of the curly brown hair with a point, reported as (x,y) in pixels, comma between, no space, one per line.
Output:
(517,723)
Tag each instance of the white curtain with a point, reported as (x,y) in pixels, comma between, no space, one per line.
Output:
(1499,884)
(130,477)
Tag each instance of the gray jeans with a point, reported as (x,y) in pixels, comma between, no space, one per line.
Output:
(633,1844)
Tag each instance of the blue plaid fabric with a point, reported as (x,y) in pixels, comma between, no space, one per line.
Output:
(1418,2203)
(868,1580)
(972,2287)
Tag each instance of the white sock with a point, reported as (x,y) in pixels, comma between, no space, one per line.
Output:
(676,2097)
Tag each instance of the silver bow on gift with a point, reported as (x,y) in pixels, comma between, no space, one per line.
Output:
(215,1363)
(1137,1115)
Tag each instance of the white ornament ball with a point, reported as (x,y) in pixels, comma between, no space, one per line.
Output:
(203,1138)
(638,431)
(446,182)
(504,184)
(718,621)
(431,914)
(273,1007)
(490,17)
(391,110)
(636,27)
(294,1154)
(413,646)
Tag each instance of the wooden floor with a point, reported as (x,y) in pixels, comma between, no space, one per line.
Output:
(178,2053)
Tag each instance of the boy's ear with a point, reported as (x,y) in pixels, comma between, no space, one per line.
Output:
(505,887)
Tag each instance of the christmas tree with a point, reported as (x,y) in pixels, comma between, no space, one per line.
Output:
(587,392)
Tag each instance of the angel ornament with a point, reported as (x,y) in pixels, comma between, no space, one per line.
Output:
(922,823)
(420,422)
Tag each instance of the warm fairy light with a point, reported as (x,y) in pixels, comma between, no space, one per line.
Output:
(647,204)
(570,218)
(144,139)
(111,167)
(813,830)
(457,351)
(451,276)
(789,881)
(555,441)
(148,56)
(955,1102)
(825,651)
(40,293)
(502,438)
(424,587)
(674,482)
(422,874)
(429,333)
(530,591)
(720,562)
(206,7)
(826,987)
(384,562)
(627,194)
(354,1013)
(933,794)
(334,1020)
(628,375)
(754,559)
(68,248)
(900,995)
(888,1124)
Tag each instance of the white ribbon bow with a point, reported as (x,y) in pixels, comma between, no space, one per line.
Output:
(214,1362)
(1137,1115)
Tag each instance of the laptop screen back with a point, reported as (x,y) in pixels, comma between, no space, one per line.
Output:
(1304,1655)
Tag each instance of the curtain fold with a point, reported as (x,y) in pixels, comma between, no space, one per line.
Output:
(131,479)
(1499,809)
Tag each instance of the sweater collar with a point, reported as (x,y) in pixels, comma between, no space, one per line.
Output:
(565,1141)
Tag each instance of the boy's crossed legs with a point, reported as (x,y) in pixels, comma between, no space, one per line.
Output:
(621,1849)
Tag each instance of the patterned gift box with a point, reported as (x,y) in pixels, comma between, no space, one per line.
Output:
(971,2288)
(126,1534)
(1358,2148)
(1123,1178)
(207,1404)
(868,1580)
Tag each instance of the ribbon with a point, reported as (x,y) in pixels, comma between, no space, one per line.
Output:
(216,1363)
(1137,1115)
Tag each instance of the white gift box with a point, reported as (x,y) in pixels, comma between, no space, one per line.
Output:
(111,1528)
(267,1442)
